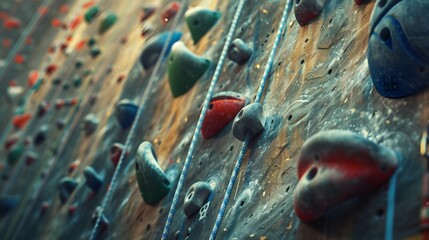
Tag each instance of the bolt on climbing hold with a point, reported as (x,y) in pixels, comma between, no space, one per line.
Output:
(15,154)
(170,12)
(91,14)
(41,135)
(153,48)
(66,187)
(116,151)
(125,113)
(249,121)
(196,197)
(107,22)
(239,51)
(306,10)
(90,124)
(200,20)
(94,180)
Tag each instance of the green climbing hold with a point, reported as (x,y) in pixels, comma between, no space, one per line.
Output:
(87,72)
(77,80)
(78,64)
(107,22)
(200,21)
(91,42)
(95,51)
(15,154)
(184,69)
(91,14)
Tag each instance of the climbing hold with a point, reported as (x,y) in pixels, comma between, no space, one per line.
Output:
(91,42)
(30,158)
(125,112)
(77,80)
(7,204)
(360,2)
(12,23)
(19,59)
(184,69)
(50,69)
(11,141)
(223,108)
(33,77)
(200,21)
(169,12)
(44,207)
(66,86)
(152,181)
(75,22)
(90,124)
(107,22)
(42,108)
(196,197)
(59,103)
(398,51)
(335,166)
(61,123)
(91,14)
(15,154)
(147,12)
(57,81)
(116,151)
(72,209)
(146,29)
(249,121)
(66,187)
(104,222)
(20,121)
(73,166)
(71,102)
(153,48)
(41,135)
(13,92)
(239,51)
(78,64)
(94,180)
(95,51)
(306,10)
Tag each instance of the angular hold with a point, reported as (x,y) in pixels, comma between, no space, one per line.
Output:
(7,204)
(223,108)
(108,21)
(170,11)
(66,187)
(116,151)
(398,51)
(184,69)
(200,21)
(239,51)
(306,10)
(153,48)
(15,154)
(249,121)
(41,135)
(125,113)
(196,197)
(335,166)
(91,14)
(90,124)
(152,181)
(94,180)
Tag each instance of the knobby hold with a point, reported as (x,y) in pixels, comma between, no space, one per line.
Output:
(15,154)
(196,197)
(30,158)
(398,51)
(42,108)
(153,48)
(335,166)
(91,14)
(152,180)
(90,124)
(169,12)
(184,69)
(239,51)
(66,187)
(306,10)
(91,42)
(94,180)
(107,22)
(95,52)
(7,204)
(116,151)
(200,21)
(126,111)
(19,121)
(249,121)
(223,108)
(41,135)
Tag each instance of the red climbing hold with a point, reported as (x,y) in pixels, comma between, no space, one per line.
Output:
(88,4)
(222,110)
(55,22)
(50,69)
(169,12)
(12,23)
(64,9)
(29,41)
(80,45)
(20,121)
(73,166)
(33,76)
(116,151)
(43,10)
(6,42)
(75,22)
(19,59)
(11,141)
(59,104)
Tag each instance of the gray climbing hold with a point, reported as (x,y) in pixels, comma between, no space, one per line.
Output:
(90,124)
(94,180)
(196,197)
(41,135)
(250,120)
(67,186)
(239,51)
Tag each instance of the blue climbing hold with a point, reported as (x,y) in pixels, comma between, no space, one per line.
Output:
(94,180)
(153,48)
(125,113)
(66,187)
(7,204)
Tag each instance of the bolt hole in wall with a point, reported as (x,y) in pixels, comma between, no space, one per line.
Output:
(287,189)
(312,174)
(385,34)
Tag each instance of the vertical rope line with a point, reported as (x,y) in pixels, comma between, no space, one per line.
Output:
(193,145)
(153,78)
(258,98)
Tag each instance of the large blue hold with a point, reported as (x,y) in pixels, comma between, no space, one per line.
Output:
(7,204)
(398,48)
(153,48)
(125,113)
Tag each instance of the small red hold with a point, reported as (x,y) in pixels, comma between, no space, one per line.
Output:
(12,83)
(75,22)
(59,104)
(12,23)
(11,141)
(121,77)
(29,41)
(51,50)
(30,158)
(19,59)
(42,108)
(63,9)
(63,46)
(170,11)
(80,45)
(55,22)
(116,151)
(33,76)
(72,209)
(44,207)
(20,121)
(43,11)
(50,69)
(222,110)
(6,42)
(73,166)
(88,4)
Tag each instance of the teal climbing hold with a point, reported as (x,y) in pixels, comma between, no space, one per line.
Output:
(108,21)
(77,80)
(91,42)
(152,181)
(95,51)
(184,69)
(15,154)
(200,21)
(91,14)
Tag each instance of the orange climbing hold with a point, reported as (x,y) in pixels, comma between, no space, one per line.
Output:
(88,4)
(170,11)
(12,23)
(75,22)
(21,120)
(33,76)
(80,45)
(63,9)
(19,59)
(56,22)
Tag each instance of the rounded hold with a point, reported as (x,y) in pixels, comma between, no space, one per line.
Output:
(398,51)
(116,151)
(30,158)
(196,197)
(108,21)
(15,154)
(61,123)
(66,187)
(125,113)
(306,10)
(90,124)
(91,14)
(41,135)
(91,42)
(335,166)
(7,204)
(42,108)
(249,121)
(12,23)
(50,69)
(239,51)
(94,180)
(20,121)
(77,80)
(223,108)
(78,64)
(200,21)
(152,181)
(184,69)
(170,11)
(95,51)
(147,12)
(153,48)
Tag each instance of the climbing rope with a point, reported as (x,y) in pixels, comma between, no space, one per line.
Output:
(193,145)
(258,98)
(153,78)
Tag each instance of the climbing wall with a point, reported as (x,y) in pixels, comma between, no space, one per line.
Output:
(320,80)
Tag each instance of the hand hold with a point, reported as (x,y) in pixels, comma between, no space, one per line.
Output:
(94,180)
(20,121)
(108,21)
(116,151)
(147,12)
(335,166)
(15,154)
(125,113)
(42,108)
(200,21)
(153,48)
(152,181)
(41,135)
(398,47)
(7,204)
(184,69)
(95,51)
(306,10)
(239,51)
(66,187)
(90,124)
(250,120)
(91,14)
(196,197)
(30,158)
(223,108)
(170,11)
